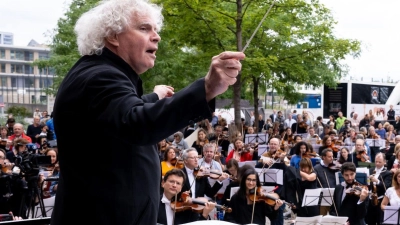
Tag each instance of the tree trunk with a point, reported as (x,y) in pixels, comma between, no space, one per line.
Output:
(237,86)
(256,82)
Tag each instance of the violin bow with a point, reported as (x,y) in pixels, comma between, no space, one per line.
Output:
(333,202)
(254,204)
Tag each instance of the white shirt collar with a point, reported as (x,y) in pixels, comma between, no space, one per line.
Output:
(165,200)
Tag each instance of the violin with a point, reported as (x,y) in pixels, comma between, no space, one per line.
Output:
(303,125)
(199,173)
(335,166)
(309,155)
(278,154)
(269,198)
(334,148)
(196,205)
(177,162)
(362,155)
(356,189)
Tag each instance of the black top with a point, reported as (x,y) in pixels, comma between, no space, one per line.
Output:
(124,186)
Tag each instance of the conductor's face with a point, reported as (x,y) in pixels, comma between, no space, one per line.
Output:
(138,44)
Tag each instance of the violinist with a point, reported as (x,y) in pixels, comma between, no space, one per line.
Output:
(296,181)
(372,133)
(350,198)
(172,186)
(162,146)
(195,183)
(391,195)
(300,126)
(360,152)
(327,143)
(170,161)
(302,150)
(232,167)
(242,205)
(240,153)
(380,181)
(312,137)
(350,139)
(296,139)
(208,160)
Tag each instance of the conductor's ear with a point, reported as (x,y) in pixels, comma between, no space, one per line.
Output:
(113,40)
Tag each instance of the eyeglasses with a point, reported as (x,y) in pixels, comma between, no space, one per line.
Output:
(174,182)
(251,180)
(193,157)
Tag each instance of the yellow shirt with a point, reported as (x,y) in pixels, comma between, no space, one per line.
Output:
(165,167)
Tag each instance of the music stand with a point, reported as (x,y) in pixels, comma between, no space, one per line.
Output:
(375,146)
(273,176)
(391,215)
(251,138)
(263,138)
(262,149)
(312,197)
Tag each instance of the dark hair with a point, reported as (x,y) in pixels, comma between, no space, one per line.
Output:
(298,145)
(323,153)
(176,172)
(305,162)
(232,163)
(348,166)
(166,152)
(10,120)
(244,173)
(319,118)
(325,139)
(298,135)
(341,159)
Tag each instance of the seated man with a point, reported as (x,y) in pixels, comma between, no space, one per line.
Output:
(172,185)
(352,206)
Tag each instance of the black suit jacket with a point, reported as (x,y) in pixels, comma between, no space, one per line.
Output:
(349,207)
(385,178)
(203,187)
(123,128)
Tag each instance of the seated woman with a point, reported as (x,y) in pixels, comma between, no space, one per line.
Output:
(245,211)
(179,142)
(200,141)
(328,143)
(168,162)
(296,139)
(391,196)
(49,188)
(239,153)
(302,148)
(162,146)
(296,181)
(345,156)
(393,163)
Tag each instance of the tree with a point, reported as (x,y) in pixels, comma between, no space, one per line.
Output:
(294,46)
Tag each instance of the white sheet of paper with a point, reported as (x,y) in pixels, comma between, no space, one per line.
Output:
(262,149)
(311,197)
(260,174)
(391,214)
(327,195)
(308,220)
(225,183)
(334,220)
(273,176)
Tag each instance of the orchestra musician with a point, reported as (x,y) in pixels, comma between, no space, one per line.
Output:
(353,204)
(391,195)
(327,143)
(296,181)
(360,152)
(162,146)
(172,185)
(242,202)
(240,153)
(170,160)
(380,181)
(200,141)
(345,156)
(325,174)
(302,151)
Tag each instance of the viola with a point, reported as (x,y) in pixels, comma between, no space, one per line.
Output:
(196,205)
(269,198)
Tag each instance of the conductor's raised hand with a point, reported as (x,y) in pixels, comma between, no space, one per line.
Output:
(223,71)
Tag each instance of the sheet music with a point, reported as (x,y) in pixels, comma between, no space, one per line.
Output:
(375,142)
(225,183)
(311,197)
(391,214)
(262,149)
(315,220)
(273,176)
(334,220)
(251,163)
(327,195)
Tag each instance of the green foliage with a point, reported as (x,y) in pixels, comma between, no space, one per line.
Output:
(19,111)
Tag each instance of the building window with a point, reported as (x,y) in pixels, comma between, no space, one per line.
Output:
(17,54)
(4,82)
(2,53)
(45,82)
(29,82)
(28,56)
(28,69)
(43,99)
(43,55)
(15,68)
(2,68)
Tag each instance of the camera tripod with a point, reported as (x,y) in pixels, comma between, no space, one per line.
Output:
(32,193)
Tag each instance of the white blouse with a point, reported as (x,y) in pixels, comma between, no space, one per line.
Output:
(394,199)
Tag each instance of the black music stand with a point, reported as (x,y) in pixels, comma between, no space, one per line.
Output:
(375,146)
(391,215)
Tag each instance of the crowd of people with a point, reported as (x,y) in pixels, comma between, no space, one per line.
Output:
(311,157)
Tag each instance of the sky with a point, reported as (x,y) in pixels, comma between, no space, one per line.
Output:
(373,23)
